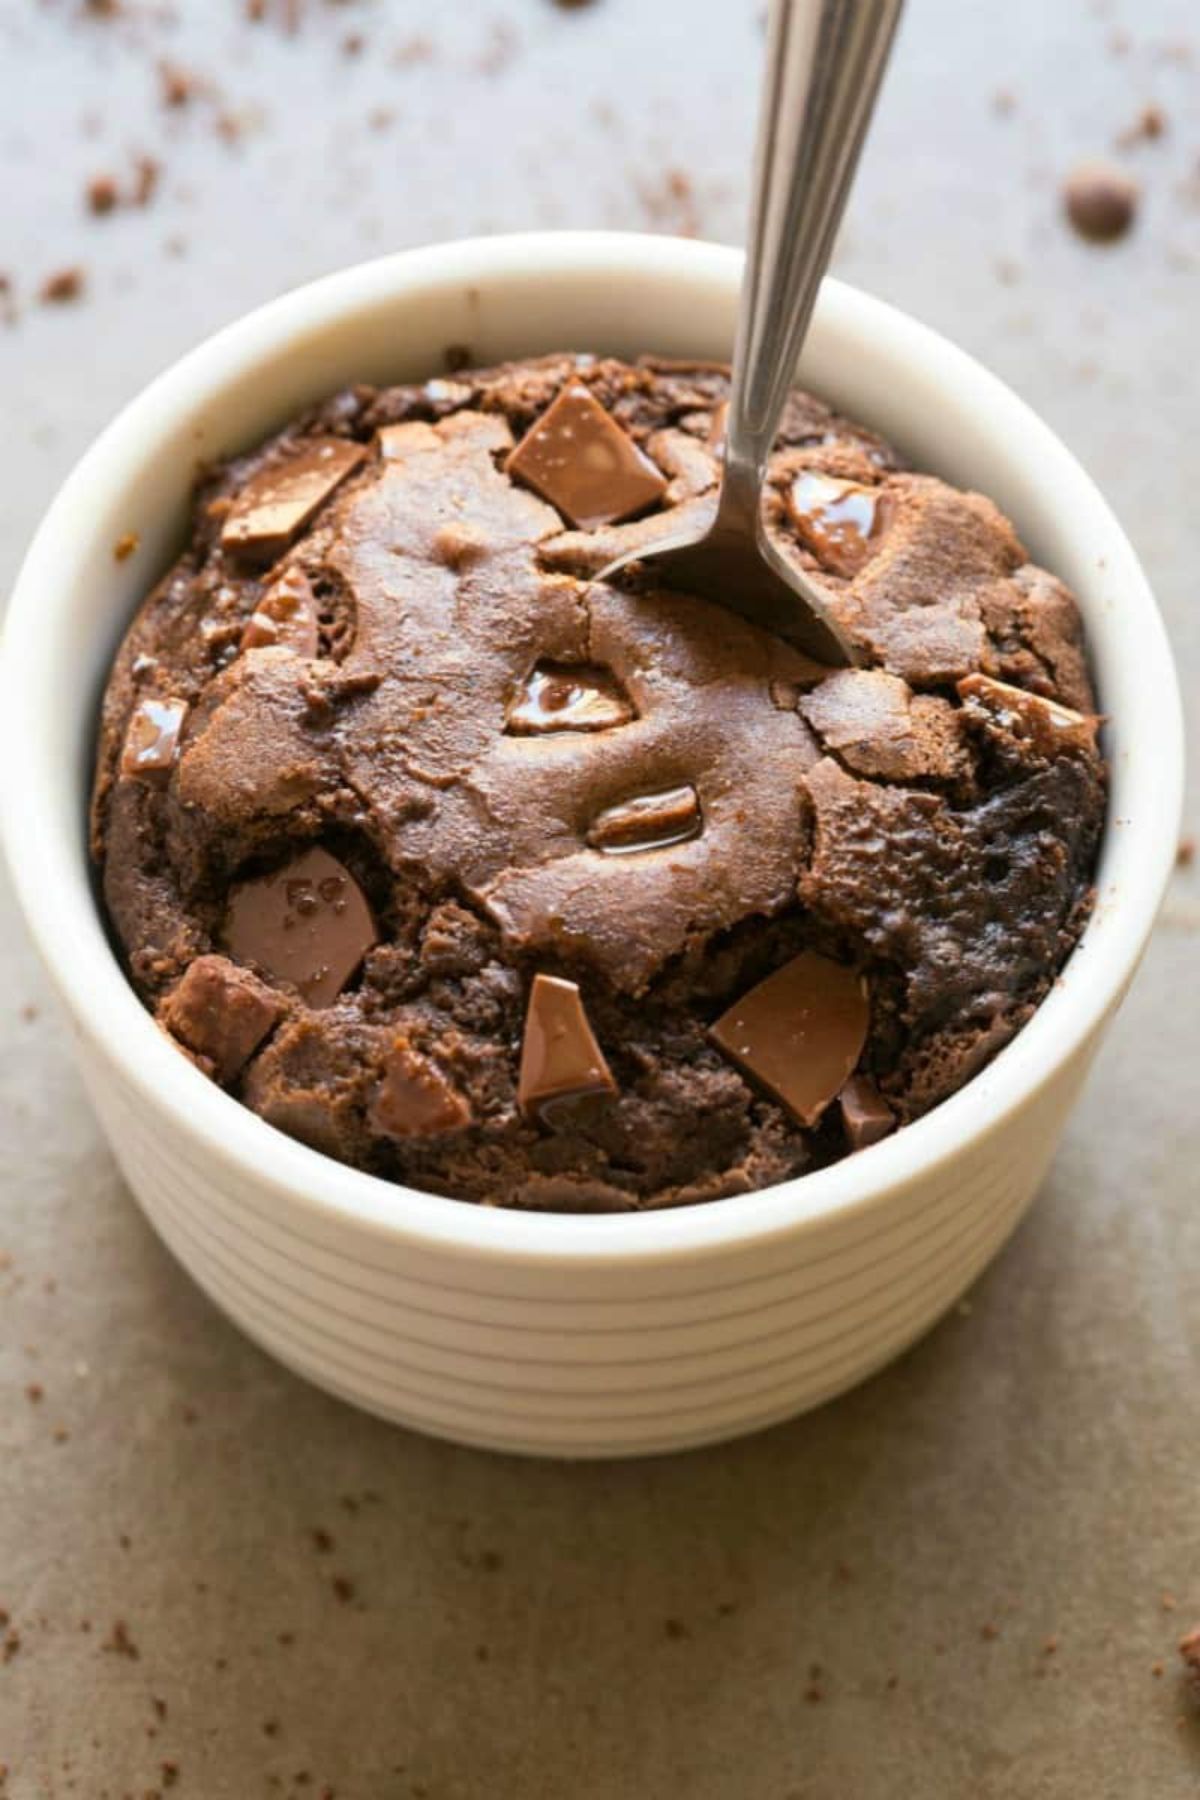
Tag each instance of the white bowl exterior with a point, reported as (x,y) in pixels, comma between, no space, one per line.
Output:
(552,1334)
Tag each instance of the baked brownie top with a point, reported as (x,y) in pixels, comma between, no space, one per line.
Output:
(538,889)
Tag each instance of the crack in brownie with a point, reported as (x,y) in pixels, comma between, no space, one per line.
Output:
(537,890)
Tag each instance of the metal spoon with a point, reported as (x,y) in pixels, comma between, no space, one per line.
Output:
(825,60)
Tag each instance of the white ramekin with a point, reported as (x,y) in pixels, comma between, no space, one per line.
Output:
(562,1335)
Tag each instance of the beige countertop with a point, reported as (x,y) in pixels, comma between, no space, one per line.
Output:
(966,1578)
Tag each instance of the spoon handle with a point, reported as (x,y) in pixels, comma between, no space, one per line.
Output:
(825,60)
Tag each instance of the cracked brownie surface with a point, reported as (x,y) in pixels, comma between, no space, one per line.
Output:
(533,889)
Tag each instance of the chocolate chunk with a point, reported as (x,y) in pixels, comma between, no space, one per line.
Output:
(1051,727)
(800,1032)
(309,923)
(285,617)
(1100,201)
(578,458)
(836,519)
(561,697)
(152,740)
(560,1058)
(414,1099)
(221,1012)
(650,822)
(280,501)
(866,1115)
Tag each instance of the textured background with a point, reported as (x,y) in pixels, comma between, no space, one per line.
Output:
(859,1606)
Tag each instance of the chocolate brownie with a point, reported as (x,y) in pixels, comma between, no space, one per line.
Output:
(513,883)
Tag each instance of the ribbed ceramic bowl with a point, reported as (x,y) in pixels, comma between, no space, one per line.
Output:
(571,1336)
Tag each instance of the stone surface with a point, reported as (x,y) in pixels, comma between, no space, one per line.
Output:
(1028,1472)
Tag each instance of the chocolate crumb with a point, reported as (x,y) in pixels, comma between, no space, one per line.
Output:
(170,1773)
(11,1646)
(63,286)
(1150,123)
(412,50)
(160,1706)
(892,1683)
(35,1393)
(675,1629)
(989,1632)
(353,44)
(1050,1647)
(1185,856)
(286,1638)
(119,1643)
(177,87)
(1100,201)
(125,546)
(343,1589)
(145,180)
(29,1013)
(270,1728)
(1158,1670)
(103,194)
(491,1560)
(322,1540)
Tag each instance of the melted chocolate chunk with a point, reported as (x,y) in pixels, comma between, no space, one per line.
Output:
(1050,727)
(651,822)
(577,457)
(285,616)
(283,499)
(836,519)
(560,1058)
(800,1032)
(559,698)
(152,741)
(308,923)
(414,1099)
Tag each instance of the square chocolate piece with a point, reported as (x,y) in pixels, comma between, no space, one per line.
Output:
(578,458)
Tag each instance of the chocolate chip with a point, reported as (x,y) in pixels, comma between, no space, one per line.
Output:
(1100,201)
(565,697)
(578,458)
(651,822)
(308,923)
(152,739)
(414,1099)
(1051,727)
(222,1013)
(835,519)
(560,1058)
(285,617)
(866,1115)
(281,500)
(800,1032)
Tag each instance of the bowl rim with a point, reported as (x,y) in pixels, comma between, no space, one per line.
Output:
(107,1011)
